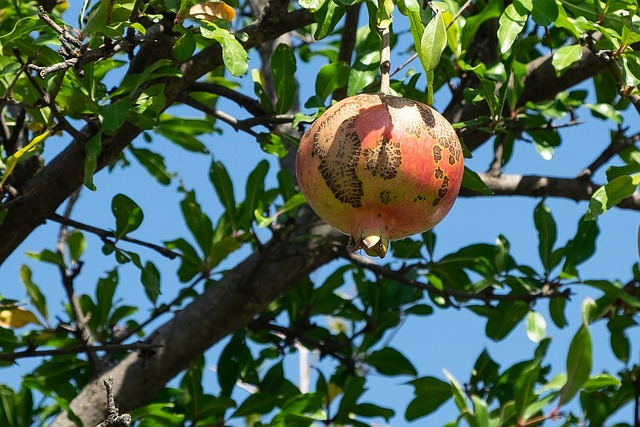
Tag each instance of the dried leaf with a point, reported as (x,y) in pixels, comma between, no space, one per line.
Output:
(16,317)
(210,11)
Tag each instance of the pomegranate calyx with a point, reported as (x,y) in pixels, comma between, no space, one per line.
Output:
(373,245)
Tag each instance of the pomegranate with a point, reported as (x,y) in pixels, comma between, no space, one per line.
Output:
(380,168)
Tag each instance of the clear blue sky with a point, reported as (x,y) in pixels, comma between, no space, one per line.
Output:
(449,339)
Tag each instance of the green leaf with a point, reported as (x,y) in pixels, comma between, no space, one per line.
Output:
(128,215)
(153,163)
(582,246)
(283,65)
(556,311)
(93,148)
(536,326)
(327,17)
(504,318)
(77,244)
(544,12)
(433,42)
(472,181)
(36,297)
(369,410)
(224,188)
(547,234)
(257,403)
(579,361)
(112,116)
(608,196)
(254,190)
(233,54)
(185,46)
(220,249)
(605,111)
(48,256)
(512,22)
(389,361)
(565,56)
(431,393)
(480,411)
(150,278)
(331,77)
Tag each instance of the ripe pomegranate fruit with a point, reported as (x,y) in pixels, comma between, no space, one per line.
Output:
(379,168)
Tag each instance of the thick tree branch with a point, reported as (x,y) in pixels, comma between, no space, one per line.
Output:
(580,188)
(222,309)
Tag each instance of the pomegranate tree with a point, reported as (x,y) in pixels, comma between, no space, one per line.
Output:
(379,168)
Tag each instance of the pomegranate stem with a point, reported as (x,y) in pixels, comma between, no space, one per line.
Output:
(385,58)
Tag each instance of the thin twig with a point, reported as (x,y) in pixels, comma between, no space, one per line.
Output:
(164,308)
(385,59)
(92,349)
(228,119)
(615,147)
(107,235)
(486,296)
(250,104)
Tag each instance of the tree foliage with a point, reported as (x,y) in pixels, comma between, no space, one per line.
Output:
(130,82)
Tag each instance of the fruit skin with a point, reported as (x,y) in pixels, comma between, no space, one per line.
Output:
(379,168)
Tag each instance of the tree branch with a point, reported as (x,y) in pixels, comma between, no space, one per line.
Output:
(220,310)
(580,188)
(486,296)
(90,349)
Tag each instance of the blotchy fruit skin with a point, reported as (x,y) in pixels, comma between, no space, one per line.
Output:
(379,168)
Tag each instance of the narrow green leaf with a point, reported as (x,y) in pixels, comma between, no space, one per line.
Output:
(547,233)
(220,250)
(582,246)
(331,77)
(369,410)
(579,361)
(153,163)
(150,278)
(472,181)
(283,65)
(608,196)
(128,215)
(536,326)
(389,361)
(433,42)
(36,297)
(255,188)
(93,148)
(512,22)
(224,188)
(556,311)
(565,56)
(48,256)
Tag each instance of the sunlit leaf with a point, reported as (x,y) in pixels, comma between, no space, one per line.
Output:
(565,56)
(128,215)
(433,42)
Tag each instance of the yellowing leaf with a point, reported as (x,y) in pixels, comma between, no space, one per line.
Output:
(21,154)
(16,318)
(210,11)
(333,391)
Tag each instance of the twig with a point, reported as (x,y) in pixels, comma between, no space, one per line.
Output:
(615,147)
(106,235)
(228,119)
(114,419)
(164,308)
(486,296)
(248,103)
(13,356)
